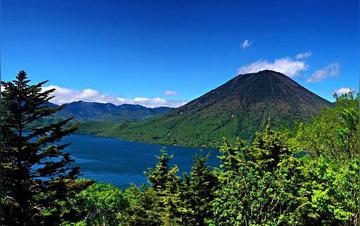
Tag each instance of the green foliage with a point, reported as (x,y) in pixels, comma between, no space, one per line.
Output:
(171,200)
(145,207)
(102,204)
(258,183)
(165,184)
(162,176)
(331,193)
(335,132)
(197,192)
(95,127)
(37,182)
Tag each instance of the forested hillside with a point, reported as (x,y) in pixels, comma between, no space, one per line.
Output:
(238,108)
(101,112)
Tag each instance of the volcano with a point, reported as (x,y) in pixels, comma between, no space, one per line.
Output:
(238,108)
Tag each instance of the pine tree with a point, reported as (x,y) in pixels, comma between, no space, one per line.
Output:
(162,173)
(198,191)
(165,183)
(232,156)
(268,149)
(37,180)
(259,183)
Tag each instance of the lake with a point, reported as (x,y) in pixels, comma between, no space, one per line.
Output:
(121,162)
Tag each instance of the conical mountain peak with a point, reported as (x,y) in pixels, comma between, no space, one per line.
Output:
(238,108)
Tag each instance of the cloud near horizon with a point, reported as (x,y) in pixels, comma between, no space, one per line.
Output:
(331,70)
(65,95)
(286,66)
(343,90)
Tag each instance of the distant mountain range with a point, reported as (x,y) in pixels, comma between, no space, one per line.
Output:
(238,108)
(92,111)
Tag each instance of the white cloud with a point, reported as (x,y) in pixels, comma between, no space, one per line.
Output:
(170,93)
(65,95)
(343,90)
(302,56)
(330,70)
(245,44)
(286,66)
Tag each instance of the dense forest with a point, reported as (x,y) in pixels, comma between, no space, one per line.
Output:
(309,175)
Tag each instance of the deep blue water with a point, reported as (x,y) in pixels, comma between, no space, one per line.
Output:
(121,162)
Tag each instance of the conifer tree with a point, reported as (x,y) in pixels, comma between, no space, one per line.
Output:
(37,179)
(232,156)
(165,183)
(260,187)
(198,191)
(162,174)
(269,149)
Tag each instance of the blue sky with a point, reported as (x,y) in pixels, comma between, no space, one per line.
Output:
(165,52)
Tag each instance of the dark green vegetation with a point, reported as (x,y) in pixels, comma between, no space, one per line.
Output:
(281,178)
(239,108)
(91,111)
(96,118)
(308,176)
(37,182)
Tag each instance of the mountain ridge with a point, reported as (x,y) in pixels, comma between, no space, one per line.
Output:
(94,111)
(238,108)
